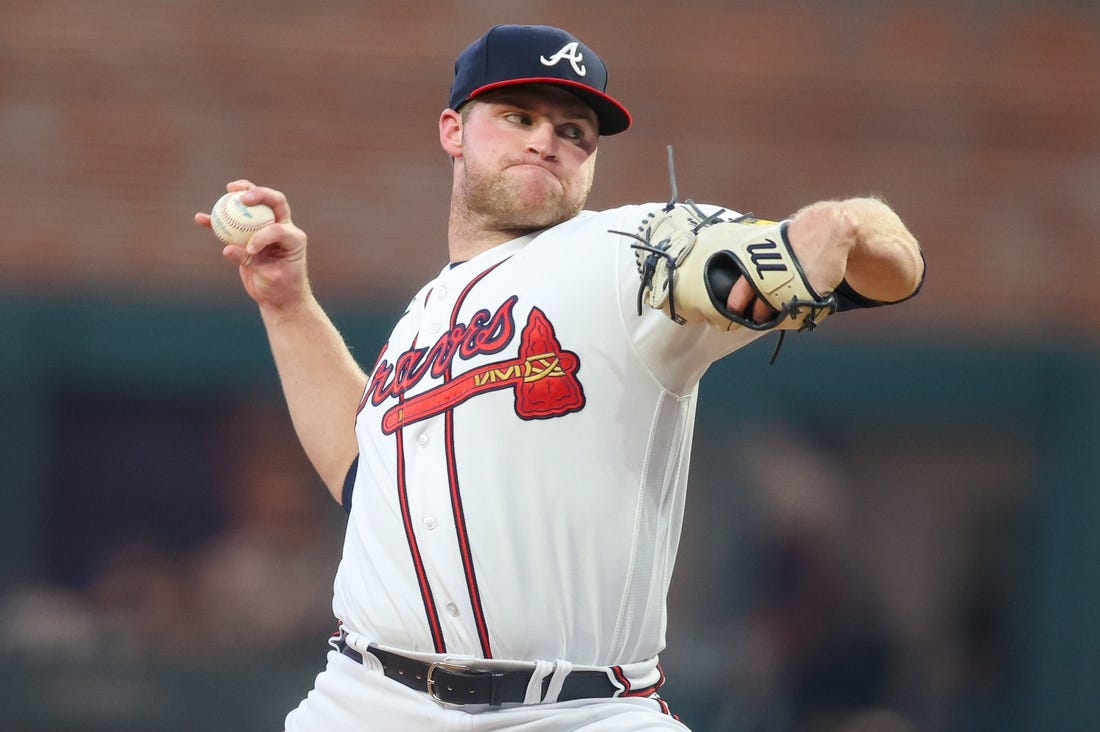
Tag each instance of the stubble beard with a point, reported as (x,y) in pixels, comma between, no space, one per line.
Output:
(505,202)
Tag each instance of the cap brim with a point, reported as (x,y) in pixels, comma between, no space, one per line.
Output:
(613,116)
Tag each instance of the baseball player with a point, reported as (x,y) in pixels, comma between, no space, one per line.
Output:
(514,463)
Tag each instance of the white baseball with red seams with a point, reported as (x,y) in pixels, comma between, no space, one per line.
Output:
(234,222)
(525,436)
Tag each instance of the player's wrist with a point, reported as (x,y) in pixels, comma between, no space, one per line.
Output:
(299,305)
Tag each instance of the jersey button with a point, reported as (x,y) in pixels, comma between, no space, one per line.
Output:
(422,440)
(430,522)
(452,609)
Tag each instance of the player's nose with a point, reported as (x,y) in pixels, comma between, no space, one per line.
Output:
(542,139)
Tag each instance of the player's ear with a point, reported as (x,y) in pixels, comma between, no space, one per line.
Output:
(450,132)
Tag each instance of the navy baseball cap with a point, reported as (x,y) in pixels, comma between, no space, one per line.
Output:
(537,54)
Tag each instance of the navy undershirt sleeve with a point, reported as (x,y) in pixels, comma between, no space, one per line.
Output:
(849,299)
(349,485)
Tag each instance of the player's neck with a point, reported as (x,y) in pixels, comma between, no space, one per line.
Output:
(467,237)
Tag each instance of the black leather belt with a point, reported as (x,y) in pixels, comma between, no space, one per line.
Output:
(454,683)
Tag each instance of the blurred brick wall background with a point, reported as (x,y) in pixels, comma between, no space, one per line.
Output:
(979,121)
(947,463)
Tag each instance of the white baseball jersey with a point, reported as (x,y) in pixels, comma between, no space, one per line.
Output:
(524,443)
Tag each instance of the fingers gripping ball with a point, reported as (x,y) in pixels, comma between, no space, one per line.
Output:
(234,222)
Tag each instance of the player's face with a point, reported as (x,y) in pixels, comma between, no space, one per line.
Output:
(528,157)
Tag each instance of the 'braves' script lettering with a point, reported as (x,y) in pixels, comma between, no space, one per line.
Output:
(486,333)
(542,377)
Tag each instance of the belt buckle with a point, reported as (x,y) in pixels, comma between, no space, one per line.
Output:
(446,666)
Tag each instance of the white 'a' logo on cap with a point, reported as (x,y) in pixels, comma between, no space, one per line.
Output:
(571,53)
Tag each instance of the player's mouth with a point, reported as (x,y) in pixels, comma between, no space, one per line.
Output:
(531,164)
(537,166)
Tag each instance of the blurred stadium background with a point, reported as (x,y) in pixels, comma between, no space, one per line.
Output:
(905,542)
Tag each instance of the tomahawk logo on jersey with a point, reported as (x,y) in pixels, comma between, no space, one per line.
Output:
(542,375)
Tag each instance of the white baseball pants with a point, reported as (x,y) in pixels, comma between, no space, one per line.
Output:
(353,697)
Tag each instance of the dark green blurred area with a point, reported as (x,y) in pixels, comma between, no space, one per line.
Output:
(63,695)
(107,409)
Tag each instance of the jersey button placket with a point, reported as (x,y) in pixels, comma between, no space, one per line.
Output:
(437,545)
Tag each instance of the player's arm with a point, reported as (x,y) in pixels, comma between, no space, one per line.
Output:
(322,384)
(321,381)
(883,262)
(702,266)
(860,241)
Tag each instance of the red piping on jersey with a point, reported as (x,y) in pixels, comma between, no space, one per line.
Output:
(426,596)
(430,612)
(618,671)
(463,538)
(647,691)
(456,494)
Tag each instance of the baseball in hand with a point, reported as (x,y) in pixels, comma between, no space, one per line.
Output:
(234,222)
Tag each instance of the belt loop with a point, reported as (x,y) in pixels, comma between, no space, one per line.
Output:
(561,670)
(534,686)
(339,639)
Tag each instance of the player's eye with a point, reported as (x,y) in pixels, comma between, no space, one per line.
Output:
(572,132)
(518,118)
